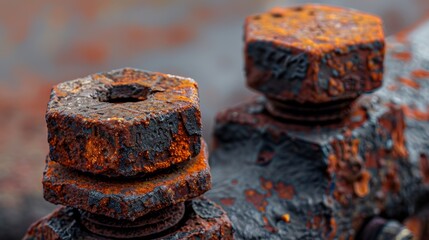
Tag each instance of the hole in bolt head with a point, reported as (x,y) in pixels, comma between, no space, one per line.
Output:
(124,93)
(276,15)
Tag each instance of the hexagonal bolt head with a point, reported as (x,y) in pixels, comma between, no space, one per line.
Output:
(314,54)
(124,122)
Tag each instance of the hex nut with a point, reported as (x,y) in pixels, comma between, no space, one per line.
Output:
(129,198)
(124,122)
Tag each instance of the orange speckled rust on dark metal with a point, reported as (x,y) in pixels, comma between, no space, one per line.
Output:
(312,61)
(124,122)
(127,198)
(128,161)
(314,158)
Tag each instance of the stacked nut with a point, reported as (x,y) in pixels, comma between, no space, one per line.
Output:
(126,155)
(312,61)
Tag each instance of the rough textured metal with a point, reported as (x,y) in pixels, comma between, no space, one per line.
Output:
(152,223)
(126,158)
(322,183)
(281,180)
(313,58)
(127,198)
(124,122)
(64,224)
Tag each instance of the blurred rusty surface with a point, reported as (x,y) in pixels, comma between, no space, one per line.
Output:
(45,42)
(115,126)
(312,61)
(313,54)
(279,179)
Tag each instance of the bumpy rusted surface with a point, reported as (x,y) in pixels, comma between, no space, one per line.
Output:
(281,180)
(127,198)
(126,153)
(203,220)
(291,182)
(124,122)
(314,54)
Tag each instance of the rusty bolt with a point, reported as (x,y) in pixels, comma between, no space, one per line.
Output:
(124,122)
(313,59)
(127,198)
(127,159)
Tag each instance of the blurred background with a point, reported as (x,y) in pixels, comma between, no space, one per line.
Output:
(43,42)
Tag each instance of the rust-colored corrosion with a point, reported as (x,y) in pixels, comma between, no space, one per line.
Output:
(313,59)
(124,122)
(121,198)
(322,160)
(203,220)
(128,161)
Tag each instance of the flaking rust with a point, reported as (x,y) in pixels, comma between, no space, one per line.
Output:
(128,161)
(312,61)
(124,122)
(313,158)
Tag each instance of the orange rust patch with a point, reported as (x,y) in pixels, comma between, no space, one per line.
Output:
(284,191)
(371,160)
(408,82)
(286,218)
(424,167)
(332,163)
(257,199)
(268,226)
(391,181)
(420,73)
(335,87)
(414,224)
(317,220)
(404,56)
(333,229)
(266,184)
(227,201)
(95,156)
(361,187)
(72,188)
(179,147)
(316,28)
(416,113)
(196,165)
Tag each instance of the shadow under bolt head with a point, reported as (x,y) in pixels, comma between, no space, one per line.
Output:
(124,122)
(314,54)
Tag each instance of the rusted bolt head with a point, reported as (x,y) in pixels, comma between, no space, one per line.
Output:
(128,198)
(314,54)
(124,122)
